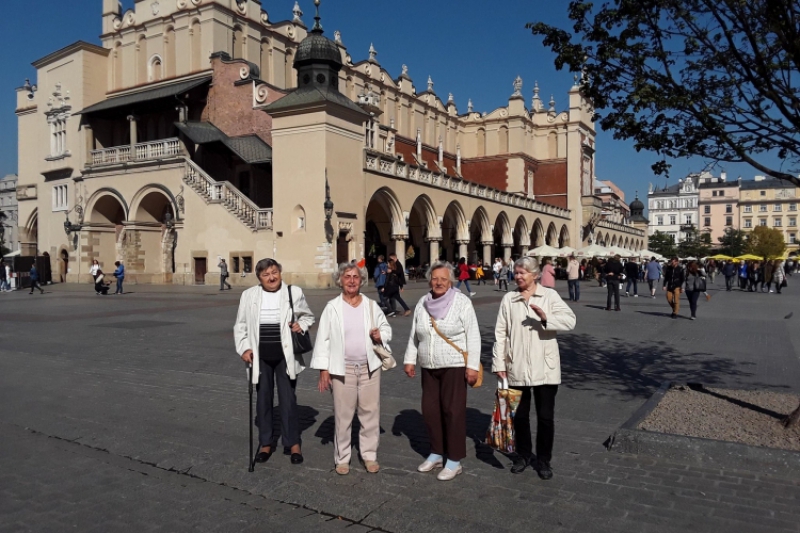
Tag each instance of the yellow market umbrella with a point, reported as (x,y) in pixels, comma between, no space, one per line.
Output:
(749,257)
(720,257)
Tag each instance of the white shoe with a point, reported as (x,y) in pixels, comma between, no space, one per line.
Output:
(626,294)
(446,474)
(472,294)
(427,466)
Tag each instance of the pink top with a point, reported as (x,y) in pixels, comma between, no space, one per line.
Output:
(548,276)
(355,349)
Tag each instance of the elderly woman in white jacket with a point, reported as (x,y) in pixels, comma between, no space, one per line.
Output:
(263,336)
(350,325)
(444,376)
(526,353)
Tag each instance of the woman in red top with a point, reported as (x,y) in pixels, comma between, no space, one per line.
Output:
(463,275)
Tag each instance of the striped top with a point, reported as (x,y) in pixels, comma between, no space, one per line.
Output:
(269,334)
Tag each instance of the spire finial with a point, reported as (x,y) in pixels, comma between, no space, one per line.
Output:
(373,54)
(317,25)
(430,84)
(469,106)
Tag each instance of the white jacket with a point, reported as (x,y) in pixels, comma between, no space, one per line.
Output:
(246,329)
(329,344)
(525,347)
(460,326)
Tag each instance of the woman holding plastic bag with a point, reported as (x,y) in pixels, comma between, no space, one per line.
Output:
(526,354)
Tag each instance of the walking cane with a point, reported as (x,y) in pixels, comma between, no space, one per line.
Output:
(250,459)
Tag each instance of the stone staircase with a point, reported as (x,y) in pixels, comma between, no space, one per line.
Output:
(224,193)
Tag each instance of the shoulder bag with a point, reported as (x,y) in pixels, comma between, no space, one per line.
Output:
(453,345)
(301,342)
(387,360)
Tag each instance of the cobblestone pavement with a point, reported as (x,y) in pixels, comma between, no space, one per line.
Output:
(130,414)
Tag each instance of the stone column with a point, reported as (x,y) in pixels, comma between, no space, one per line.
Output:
(434,249)
(89,140)
(463,249)
(134,140)
(525,248)
(488,260)
(400,247)
(507,252)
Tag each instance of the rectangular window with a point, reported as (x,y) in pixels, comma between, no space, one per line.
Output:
(247,264)
(708,221)
(688,219)
(707,210)
(762,221)
(792,221)
(762,209)
(792,238)
(728,208)
(763,193)
(777,222)
(748,209)
(673,219)
(729,221)
(777,207)
(58,135)
(60,198)
(659,221)
(236,265)
(792,207)
(748,223)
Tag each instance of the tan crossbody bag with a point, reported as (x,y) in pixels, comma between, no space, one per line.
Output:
(479,381)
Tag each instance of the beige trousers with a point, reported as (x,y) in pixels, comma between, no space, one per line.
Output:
(358,390)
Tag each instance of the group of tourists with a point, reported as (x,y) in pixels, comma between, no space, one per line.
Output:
(390,280)
(352,349)
(101,285)
(755,276)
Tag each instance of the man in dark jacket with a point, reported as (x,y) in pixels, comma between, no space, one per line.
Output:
(729,271)
(613,275)
(674,276)
(632,274)
(35,280)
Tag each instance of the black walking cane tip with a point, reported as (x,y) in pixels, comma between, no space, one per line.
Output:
(789,315)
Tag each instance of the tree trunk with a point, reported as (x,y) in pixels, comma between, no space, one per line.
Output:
(793,419)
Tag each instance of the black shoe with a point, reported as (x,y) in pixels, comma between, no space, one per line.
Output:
(673,315)
(263,457)
(617,309)
(520,464)
(544,470)
(297,458)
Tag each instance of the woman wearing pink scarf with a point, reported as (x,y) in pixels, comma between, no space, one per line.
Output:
(444,376)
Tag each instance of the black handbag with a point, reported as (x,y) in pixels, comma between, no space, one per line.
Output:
(301,342)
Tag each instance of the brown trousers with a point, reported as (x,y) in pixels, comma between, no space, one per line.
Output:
(674,299)
(444,409)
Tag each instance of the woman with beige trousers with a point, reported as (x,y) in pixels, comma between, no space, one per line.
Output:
(350,325)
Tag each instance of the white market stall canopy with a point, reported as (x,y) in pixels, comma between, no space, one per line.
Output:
(544,251)
(593,250)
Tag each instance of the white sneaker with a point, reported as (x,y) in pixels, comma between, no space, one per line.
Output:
(472,294)
(446,474)
(427,466)
(626,294)
(635,295)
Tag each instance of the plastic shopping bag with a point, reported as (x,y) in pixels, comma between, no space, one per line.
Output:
(500,434)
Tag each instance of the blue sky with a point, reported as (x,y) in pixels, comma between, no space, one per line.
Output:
(471,48)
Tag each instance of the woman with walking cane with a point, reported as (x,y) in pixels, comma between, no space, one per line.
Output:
(269,314)
(526,354)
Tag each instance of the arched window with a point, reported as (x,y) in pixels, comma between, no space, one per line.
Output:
(117,65)
(503,139)
(156,68)
(237,46)
(481,142)
(197,46)
(169,53)
(298,219)
(552,145)
(264,60)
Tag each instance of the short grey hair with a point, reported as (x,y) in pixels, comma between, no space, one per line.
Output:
(264,264)
(528,263)
(345,267)
(436,265)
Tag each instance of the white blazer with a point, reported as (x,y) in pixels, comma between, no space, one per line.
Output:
(329,343)
(246,329)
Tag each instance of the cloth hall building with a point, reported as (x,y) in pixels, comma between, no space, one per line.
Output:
(201,129)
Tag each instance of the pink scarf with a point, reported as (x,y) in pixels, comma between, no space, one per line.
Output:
(439,307)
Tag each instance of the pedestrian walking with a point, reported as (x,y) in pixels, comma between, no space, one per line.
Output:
(778,275)
(528,357)
(348,366)
(496,268)
(119,273)
(653,270)
(223,275)
(395,281)
(7,271)
(548,274)
(503,276)
(674,276)
(632,275)
(743,275)
(613,276)
(695,285)
(379,277)
(480,275)
(754,276)
(463,276)
(766,284)
(573,279)
(269,314)
(3,276)
(729,271)
(444,340)
(34,277)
